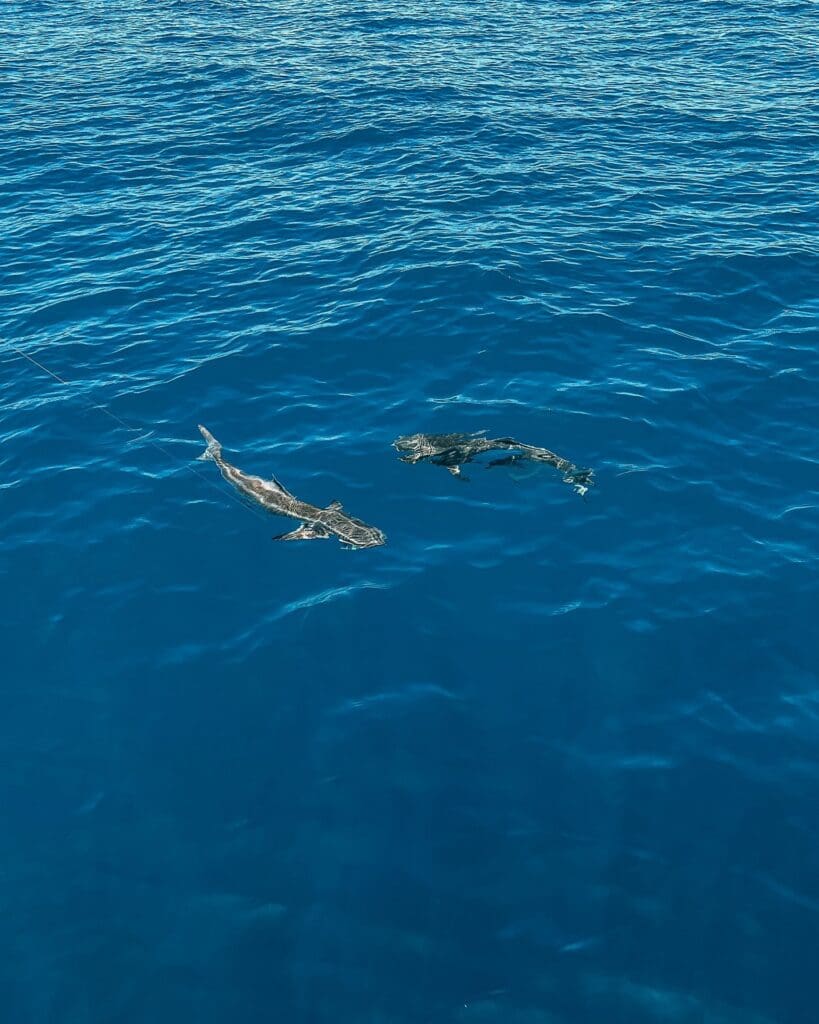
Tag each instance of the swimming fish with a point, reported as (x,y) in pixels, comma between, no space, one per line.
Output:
(316,523)
(453,450)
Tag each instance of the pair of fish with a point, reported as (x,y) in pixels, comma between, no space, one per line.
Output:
(449,450)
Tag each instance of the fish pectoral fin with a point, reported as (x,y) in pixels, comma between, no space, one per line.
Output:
(307,531)
(509,460)
(456,471)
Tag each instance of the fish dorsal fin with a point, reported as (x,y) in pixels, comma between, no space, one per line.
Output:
(335,506)
(279,485)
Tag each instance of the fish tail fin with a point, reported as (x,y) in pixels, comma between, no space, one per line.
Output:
(213,450)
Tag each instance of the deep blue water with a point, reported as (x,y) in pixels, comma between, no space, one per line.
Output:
(539,760)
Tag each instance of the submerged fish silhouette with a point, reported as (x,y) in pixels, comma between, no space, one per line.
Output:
(453,450)
(316,523)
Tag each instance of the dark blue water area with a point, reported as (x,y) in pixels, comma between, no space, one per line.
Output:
(541,758)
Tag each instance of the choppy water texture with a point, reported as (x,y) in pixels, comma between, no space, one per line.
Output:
(540,760)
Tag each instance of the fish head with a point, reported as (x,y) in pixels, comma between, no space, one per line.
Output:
(418,446)
(409,442)
(363,536)
(352,532)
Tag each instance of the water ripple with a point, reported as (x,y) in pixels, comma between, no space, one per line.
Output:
(588,226)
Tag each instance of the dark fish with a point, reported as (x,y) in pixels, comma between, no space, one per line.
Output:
(453,450)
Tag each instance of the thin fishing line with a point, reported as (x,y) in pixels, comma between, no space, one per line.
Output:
(122,423)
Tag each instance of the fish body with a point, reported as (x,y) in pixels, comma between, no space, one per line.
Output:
(454,450)
(315,523)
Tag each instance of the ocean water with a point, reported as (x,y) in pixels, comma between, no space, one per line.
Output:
(541,759)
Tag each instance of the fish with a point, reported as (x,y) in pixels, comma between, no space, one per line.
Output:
(454,450)
(315,523)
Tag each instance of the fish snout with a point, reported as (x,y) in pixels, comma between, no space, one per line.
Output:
(405,443)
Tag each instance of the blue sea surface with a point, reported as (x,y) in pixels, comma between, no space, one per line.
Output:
(542,758)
